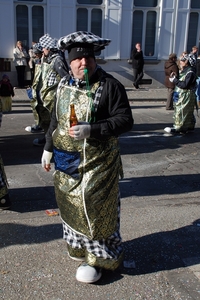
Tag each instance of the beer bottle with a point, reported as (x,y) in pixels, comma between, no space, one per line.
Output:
(73,118)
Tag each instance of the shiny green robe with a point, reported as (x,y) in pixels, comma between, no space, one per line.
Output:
(184,108)
(88,205)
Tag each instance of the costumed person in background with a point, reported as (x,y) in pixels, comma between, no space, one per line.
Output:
(5,202)
(20,61)
(194,54)
(184,97)
(170,66)
(87,157)
(32,61)
(36,102)
(137,64)
(45,83)
(6,93)
(198,80)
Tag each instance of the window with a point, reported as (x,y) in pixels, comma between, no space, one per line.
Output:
(93,2)
(195,4)
(31,0)
(144,30)
(37,22)
(193,30)
(29,23)
(146,3)
(89,19)
(22,24)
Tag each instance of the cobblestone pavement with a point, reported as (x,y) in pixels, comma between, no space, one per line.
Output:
(160,223)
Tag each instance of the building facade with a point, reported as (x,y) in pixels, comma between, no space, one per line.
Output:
(161,26)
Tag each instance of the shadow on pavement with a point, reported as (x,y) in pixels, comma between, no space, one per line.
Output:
(159,185)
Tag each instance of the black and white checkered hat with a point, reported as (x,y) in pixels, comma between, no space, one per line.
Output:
(83,37)
(37,48)
(190,58)
(48,42)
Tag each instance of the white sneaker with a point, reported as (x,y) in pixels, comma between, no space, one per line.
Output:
(88,274)
(170,130)
(167,129)
(28,128)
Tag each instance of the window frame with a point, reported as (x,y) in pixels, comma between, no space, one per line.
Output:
(89,8)
(197,43)
(145,11)
(30,4)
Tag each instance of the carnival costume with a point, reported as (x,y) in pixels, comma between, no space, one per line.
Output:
(87,171)
(184,98)
(5,202)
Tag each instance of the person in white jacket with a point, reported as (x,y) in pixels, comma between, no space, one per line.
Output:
(20,61)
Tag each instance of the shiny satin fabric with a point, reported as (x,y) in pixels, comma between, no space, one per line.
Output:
(184,107)
(87,205)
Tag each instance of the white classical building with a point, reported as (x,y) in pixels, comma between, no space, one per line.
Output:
(162,27)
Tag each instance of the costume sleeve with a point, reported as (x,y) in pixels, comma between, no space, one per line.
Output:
(60,68)
(189,81)
(114,115)
(53,125)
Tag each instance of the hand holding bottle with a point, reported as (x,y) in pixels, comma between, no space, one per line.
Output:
(80,131)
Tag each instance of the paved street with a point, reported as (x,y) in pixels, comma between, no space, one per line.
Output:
(160,213)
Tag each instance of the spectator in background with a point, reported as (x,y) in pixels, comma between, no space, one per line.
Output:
(137,64)
(198,80)
(6,93)
(20,61)
(170,66)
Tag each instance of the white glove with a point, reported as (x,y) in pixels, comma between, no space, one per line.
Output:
(46,158)
(171,78)
(80,131)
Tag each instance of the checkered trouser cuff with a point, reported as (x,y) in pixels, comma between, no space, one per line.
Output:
(109,248)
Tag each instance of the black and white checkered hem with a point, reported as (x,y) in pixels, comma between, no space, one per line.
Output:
(109,248)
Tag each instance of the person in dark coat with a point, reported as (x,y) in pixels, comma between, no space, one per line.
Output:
(198,80)
(137,64)
(88,193)
(170,66)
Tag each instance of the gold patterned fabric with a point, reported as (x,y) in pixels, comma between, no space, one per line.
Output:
(88,204)
(48,91)
(184,107)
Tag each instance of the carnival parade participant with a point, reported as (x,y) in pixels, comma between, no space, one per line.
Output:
(46,79)
(5,202)
(87,158)
(184,96)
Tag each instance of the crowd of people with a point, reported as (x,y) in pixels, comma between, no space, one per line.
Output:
(86,155)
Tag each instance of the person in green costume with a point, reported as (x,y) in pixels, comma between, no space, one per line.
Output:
(5,202)
(87,157)
(184,96)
